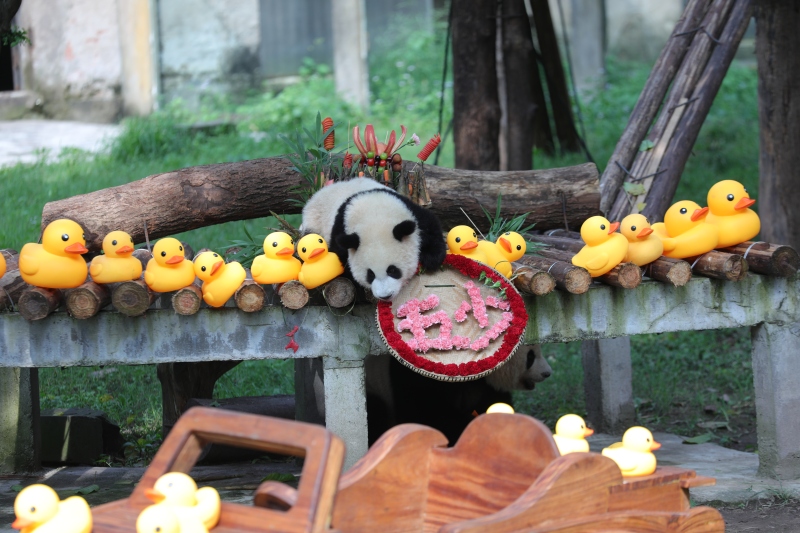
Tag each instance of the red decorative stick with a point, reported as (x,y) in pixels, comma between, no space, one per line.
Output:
(330,140)
(429,148)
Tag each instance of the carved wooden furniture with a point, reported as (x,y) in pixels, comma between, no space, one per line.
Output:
(323,453)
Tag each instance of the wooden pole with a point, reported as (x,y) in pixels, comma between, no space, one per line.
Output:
(532,280)
(132,298)
(766,258)
(720,265)
(570,278)
(87,300)
(36,302)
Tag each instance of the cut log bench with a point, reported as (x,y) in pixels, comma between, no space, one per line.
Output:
(604,314)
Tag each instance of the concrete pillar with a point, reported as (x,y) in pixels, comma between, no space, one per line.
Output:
(350,50)
(346,406)
(608,384)
(136,41)
(776,367)
(19,420)
(587,43)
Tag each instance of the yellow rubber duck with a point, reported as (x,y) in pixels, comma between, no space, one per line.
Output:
(685,232)
(179,492)
(220,280)
(462,240)
(604,248)
(2,265)
(116,264)
(494,257)
(500,407)
(38,510)
(643,245)
(512,245)
(728,203)
(277,265)
(571,433)
(634,455)
(161,519)
(167,271)
(57,262)
(319,266)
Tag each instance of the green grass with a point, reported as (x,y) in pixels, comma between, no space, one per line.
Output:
(676,376)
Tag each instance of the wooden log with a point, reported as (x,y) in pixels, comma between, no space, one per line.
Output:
(87,300)
(625,275)
(766,258)
(132,298)
(12,259)
(720,265)
(206,195)
(143,255)
(11,284)
(650,100)
(532,280)
(575,280)
(663,190)
(36,303)
(250,297)
(566,243)
(339,292)
(666,269)
(293,294)
(187,301)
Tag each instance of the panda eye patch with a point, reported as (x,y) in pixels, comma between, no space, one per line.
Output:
(394,272)
(530,359)
(370,275)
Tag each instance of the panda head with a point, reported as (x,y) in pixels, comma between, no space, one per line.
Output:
(386,238)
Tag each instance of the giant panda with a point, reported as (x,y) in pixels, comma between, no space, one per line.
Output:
(380,236)
(398,395)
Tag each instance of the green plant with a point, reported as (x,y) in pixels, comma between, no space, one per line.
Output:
(499,225)
(15,37)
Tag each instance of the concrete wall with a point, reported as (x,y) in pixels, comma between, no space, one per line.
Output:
(208,46)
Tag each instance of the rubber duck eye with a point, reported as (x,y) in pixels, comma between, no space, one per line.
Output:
(131,240)
(203,269)
(215,255)
(602,226)
(114,242)
(519,247)
(508,233)
(458,239)
(291,242)
(181,249)
(274,244)
(648,440)
(158,529)
(683,210)
(633,228)
(304,249)
(163,254)
(65,237)
(474,236)
(33,509)
(730,197)
(320,241)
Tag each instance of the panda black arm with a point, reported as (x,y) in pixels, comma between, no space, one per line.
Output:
(432,247)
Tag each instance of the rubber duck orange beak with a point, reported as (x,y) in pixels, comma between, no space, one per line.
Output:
(655,446)
(505,244)
(22,523)
(588,432)
(216,267)
(175,259)
(644,233)
(125,250)
(699,213)
(286,251)
(744,203)
(154,495)
(76,248)
(316,252)
(469,245)
(613,228)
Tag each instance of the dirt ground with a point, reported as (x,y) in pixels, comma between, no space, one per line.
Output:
(779,515)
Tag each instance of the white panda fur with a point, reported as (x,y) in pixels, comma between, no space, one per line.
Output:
(373,229)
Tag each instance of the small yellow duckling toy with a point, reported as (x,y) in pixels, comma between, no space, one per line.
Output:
(728,204)
(643,245)
(319,266)
(116,264)
(500,407)
(634,455)
(462,240)
(161,519)
(604,248)
(167,271)
(57,262)
(220,280)
(277,265)
(510,246)
(685,232)
(571,433)
(178,492)
(38,510)
(2,265)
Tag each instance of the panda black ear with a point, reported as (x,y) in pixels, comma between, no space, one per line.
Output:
(348,241)
(404,229)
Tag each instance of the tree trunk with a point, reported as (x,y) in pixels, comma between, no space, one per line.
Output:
(526,111)
(476,109)
(202,196)
(777,45)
